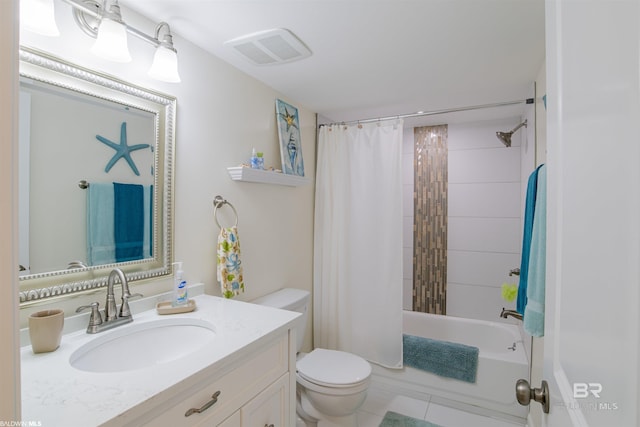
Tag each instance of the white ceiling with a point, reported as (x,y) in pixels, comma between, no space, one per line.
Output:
(378,57)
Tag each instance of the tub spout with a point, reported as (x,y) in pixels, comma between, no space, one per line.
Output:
(506,313)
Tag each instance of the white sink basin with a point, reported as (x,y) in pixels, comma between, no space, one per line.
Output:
(142,345)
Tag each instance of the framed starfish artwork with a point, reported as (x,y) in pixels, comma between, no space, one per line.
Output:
(289,135)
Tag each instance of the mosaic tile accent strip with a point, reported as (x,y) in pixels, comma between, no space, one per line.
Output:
(430,219)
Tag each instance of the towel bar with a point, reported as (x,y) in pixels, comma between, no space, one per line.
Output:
(218,202)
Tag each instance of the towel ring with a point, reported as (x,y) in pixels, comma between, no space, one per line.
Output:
(218,202)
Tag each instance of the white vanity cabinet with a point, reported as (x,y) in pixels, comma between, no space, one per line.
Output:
(248,364)
(270,408)
(253,390)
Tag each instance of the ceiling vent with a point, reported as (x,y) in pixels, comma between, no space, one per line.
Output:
(269,47)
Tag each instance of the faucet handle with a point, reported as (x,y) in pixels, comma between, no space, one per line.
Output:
(96,318)
(124,308)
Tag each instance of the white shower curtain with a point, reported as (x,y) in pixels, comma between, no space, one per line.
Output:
(358,241)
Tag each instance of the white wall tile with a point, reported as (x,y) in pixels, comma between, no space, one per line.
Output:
(475,135)
(484,234)
(485,210)
(407,262)
(481,268)
(407,200)
(407,169)
(407,232)
(484,165)
(475,302)
(407,141)
(501,200)
(407,294)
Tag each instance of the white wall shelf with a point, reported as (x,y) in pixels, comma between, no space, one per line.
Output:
(240,173)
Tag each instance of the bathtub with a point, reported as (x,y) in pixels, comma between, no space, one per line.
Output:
(499,364)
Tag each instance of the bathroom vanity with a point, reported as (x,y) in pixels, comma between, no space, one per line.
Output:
(231,364)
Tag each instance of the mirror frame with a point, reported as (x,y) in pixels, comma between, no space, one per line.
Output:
(46,69)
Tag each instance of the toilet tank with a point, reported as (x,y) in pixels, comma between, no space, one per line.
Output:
(293,300)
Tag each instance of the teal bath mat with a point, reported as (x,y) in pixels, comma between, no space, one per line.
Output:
(393,419)
(443,358)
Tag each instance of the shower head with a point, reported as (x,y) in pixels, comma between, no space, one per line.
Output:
(505,137)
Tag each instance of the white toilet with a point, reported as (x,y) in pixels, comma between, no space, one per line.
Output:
(331,385)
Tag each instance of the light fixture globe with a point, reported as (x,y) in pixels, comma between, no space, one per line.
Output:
(38,16)
(165,65)
(111,43)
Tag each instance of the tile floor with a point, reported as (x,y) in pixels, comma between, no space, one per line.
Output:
(430,408)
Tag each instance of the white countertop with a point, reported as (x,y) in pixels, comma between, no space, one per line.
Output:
(56,394)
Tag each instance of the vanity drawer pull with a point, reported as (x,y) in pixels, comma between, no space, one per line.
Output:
(269,425)
(209,404)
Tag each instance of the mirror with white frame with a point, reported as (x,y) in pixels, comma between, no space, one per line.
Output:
(95,180)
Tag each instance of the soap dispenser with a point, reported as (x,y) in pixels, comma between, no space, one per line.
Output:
(180,296)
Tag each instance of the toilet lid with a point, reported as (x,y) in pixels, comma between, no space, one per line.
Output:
(333,368)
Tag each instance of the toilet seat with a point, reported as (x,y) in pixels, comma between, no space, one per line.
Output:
(333,369)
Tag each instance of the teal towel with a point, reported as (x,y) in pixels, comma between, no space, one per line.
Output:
(529,212)
(393,419)
(147,242)
(128,221)
(447,359)
(534,310)
(101,245)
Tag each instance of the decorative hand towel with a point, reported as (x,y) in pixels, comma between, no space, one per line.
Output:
(534,310)
(229,264)
(128,221)
(101,245)
(443,358)
(529,212)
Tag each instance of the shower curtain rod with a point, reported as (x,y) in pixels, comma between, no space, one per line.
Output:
(433,113)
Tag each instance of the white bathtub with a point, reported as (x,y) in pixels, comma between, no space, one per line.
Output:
(499,367)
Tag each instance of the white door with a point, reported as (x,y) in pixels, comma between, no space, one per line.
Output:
(593,255)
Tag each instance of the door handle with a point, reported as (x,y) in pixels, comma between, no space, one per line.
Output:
(524,394)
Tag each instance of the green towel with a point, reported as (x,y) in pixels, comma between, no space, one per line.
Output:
(393,419)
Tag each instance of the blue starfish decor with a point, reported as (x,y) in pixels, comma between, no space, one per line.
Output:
(122,150)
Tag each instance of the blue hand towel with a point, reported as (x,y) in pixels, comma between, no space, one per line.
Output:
(101,246)
(534,310)
(128,221)
(147,247)
(443,358)
(529,212)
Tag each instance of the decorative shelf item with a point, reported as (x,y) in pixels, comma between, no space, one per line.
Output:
(241,173)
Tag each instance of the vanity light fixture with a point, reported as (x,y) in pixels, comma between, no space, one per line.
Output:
(102,20)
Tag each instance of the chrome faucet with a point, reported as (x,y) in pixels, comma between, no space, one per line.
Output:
(506,313)
(111,316)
